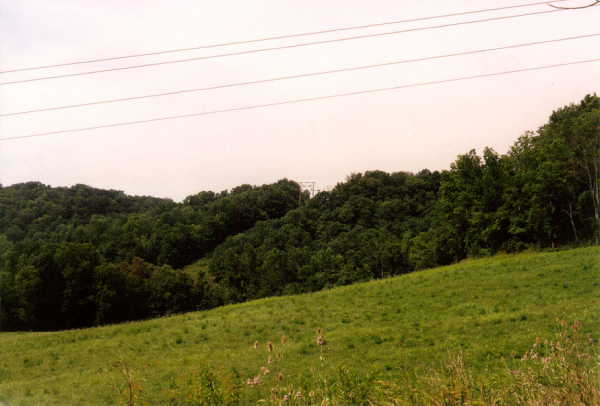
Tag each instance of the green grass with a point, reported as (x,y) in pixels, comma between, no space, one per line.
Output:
(197,268)
(489,309)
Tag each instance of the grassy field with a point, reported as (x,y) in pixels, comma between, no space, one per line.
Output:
(488,309)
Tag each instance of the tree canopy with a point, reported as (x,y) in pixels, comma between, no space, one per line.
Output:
(79,256)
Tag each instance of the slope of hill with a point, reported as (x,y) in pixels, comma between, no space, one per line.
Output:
(488,308)
(79,257)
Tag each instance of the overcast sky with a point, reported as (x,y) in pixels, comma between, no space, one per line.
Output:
(322,141)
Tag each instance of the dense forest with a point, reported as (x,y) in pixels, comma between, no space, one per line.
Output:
(79,256)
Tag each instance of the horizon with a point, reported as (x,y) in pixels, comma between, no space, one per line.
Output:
(323,141)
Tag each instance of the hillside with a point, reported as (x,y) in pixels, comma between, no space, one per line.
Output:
(81,257)
(77,257)
(488,308)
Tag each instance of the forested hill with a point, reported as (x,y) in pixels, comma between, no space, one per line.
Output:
(79,256)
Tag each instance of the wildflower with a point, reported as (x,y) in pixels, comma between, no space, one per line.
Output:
(264,370)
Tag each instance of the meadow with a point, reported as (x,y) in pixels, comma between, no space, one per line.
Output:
(489,311)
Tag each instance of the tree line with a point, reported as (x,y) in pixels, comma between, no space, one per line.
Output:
(73,257)
(79,256)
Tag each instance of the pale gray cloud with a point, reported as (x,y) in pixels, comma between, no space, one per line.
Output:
(323,141)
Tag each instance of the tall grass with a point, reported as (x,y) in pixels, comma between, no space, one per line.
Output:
(561,371)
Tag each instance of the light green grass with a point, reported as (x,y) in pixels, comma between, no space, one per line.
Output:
(197,268)
(489,308)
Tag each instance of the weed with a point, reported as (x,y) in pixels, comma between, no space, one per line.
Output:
(129,390)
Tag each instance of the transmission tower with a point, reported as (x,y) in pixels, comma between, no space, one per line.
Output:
(307,186)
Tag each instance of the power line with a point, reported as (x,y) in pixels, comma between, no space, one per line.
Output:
(303,75)
(293,101)
(304,44)
(279,37)
(595,3)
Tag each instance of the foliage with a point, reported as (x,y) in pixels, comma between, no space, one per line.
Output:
(541,194)
(79,256)
(73,257)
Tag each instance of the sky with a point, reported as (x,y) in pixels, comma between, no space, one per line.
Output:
(322,141)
